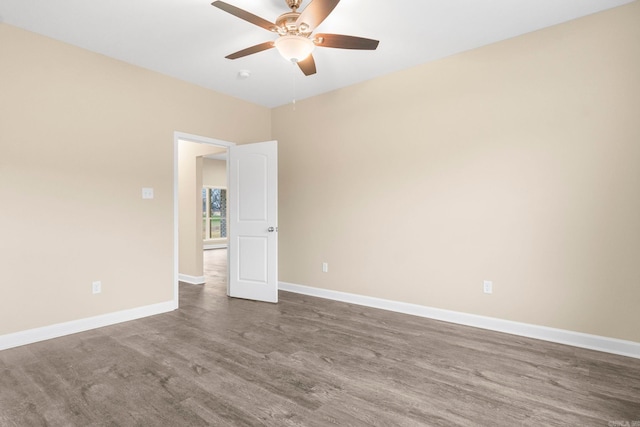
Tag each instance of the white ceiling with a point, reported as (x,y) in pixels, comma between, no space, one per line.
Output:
(188,39)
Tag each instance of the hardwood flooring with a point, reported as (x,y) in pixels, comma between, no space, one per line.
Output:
(308,362)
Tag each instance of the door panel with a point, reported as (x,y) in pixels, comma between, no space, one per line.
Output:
(254,249)
(253,221)
(252,187)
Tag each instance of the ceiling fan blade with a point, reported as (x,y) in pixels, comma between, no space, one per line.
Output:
(308,65)
(316,12)
(345,42)
(243,14)
(251,50)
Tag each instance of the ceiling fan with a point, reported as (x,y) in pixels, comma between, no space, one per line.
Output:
(295,41)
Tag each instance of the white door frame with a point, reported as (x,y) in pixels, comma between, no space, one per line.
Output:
(177,137)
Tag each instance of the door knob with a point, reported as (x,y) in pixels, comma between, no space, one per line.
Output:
(271,229)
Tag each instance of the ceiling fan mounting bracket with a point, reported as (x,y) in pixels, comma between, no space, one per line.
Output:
(294,4)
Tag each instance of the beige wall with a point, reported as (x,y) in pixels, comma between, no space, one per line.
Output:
(80,135)
(214,172)
(517,163)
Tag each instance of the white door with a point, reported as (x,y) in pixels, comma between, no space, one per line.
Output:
(253,221)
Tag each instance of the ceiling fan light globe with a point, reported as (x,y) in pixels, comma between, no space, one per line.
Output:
(294,48)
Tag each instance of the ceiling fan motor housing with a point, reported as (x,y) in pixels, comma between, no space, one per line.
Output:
(286,25)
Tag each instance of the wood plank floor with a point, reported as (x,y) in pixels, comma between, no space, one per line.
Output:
(308,362)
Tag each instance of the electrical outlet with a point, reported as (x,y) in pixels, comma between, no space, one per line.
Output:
(487,286)
(325,267)
(147,193)
(96,287)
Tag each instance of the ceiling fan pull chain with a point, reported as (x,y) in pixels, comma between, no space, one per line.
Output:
(293,76)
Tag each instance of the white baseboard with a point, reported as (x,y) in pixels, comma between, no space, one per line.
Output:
(192,280)
(67,328)
(561,336)
(217,246)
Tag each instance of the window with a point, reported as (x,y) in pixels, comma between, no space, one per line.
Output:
(214,213)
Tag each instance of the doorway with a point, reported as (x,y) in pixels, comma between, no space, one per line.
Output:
(189,158)
(252,176)
(214,219)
